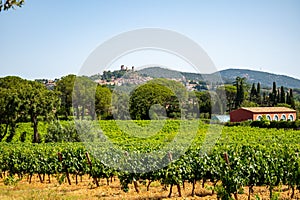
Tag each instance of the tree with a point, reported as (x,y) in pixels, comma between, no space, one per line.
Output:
(65,88)
(230,94)
(240,94)
(258,97)
(247,103)
(177,88)
(8,4)
(120,101)
(146,96)
(191,108)
(39,102)
(103,98)
(173,109)
(204,102)
(258,88)
(11,98)
(288,98)
(83,97)
(160,95)
(292,99)
(266,99)
(278,97)
(22,98)
(253,93)
(273,96)
(282,95)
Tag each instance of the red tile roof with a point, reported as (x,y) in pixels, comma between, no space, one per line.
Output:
(268,109)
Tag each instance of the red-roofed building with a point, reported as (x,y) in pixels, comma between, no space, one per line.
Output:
(256,113)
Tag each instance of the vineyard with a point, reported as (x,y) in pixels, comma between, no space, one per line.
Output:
(241,157)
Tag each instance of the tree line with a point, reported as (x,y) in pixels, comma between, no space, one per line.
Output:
(30,101)
(241,94)
(82,98)
(23,100)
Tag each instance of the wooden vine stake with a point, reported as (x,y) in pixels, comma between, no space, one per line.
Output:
(40,177)
(65,168)
(91,166)
(136,186)
(193,188)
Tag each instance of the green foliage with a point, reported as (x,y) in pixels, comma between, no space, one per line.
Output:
(24,132)
(8,4)
(120,101)
(83,98)
(57,132)
(247,103)
(230,95)
(283,105)
(103,99)
(204,103)
(64,87)
(265,123)
(282,95)
(240,85)
(291,99)
(10,180)
(240,98)
(108,75)
(12,107)
(39,102)
(258,158)
(167,94)
(21,99)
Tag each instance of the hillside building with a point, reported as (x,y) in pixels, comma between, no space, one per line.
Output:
(256,113)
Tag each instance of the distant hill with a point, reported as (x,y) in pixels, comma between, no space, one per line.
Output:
(266,79)
(228,75)
(159,72)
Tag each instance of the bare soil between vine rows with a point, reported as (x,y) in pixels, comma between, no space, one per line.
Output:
(87,190)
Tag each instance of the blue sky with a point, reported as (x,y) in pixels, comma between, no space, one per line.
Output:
(50,39)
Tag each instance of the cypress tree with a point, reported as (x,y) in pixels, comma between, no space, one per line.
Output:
(274,94)
(292,99)
(277,97)
(270,100)
(240,94)
(253,93)
(258,97)
(288,98)
(238,97)
(242,90)
(258,88)
(282,95)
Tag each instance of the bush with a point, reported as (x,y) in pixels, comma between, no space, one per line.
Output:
(70,131)
(230,124)
(276,124)
(56,132)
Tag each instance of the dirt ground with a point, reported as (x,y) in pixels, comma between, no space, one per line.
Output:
(87,190)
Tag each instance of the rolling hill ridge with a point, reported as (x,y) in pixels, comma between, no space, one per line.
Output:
(228,76)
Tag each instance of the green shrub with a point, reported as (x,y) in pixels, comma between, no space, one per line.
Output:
(57,132)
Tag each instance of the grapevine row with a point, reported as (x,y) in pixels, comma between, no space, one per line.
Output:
(229,167)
